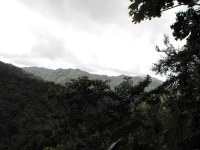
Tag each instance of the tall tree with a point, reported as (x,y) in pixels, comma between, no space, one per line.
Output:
(139,125)
(181,91)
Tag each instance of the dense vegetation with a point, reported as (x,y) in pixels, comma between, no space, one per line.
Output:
(63,76)
(25,111)
(181,92)
(87,114)
(83,114)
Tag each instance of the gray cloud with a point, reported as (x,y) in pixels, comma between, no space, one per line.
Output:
(80,11)
(51,47)
(48,46)
(82,22)
(19,60)
(100,10)
(96,68)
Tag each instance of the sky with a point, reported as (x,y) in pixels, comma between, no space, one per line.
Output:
(96,36)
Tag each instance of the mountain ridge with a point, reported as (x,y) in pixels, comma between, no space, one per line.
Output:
(62,76)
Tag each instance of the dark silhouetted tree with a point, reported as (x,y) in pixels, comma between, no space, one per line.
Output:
(181,91)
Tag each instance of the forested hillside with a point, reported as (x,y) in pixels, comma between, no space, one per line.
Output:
(63,76)
(25,110)
(83,114)
(88,114)
(181,92)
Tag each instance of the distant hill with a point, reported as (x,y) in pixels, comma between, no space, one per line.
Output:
(63,76)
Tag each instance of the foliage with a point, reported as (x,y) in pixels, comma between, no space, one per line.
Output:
(24,110)
(181,92)
(58,147)
(88,114)
(83,114)
(62,76)
(148,9)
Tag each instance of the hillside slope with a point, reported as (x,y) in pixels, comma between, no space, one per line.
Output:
(63,76)
(25,110)
(35,114)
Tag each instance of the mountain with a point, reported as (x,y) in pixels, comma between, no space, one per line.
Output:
(25,110)
(41,115)
(63,76)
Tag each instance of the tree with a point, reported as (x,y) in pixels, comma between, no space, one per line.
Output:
(88,119)
(181,91)
(139,125)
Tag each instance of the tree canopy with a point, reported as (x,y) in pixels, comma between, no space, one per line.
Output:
(181,91)
(88,114)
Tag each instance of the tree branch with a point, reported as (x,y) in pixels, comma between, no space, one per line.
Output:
(172,7)
(176,6)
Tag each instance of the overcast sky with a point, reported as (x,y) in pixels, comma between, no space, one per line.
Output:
(93,35)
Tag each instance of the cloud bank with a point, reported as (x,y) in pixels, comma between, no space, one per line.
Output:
(93,35)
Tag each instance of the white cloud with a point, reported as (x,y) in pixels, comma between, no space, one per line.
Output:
(93,35)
